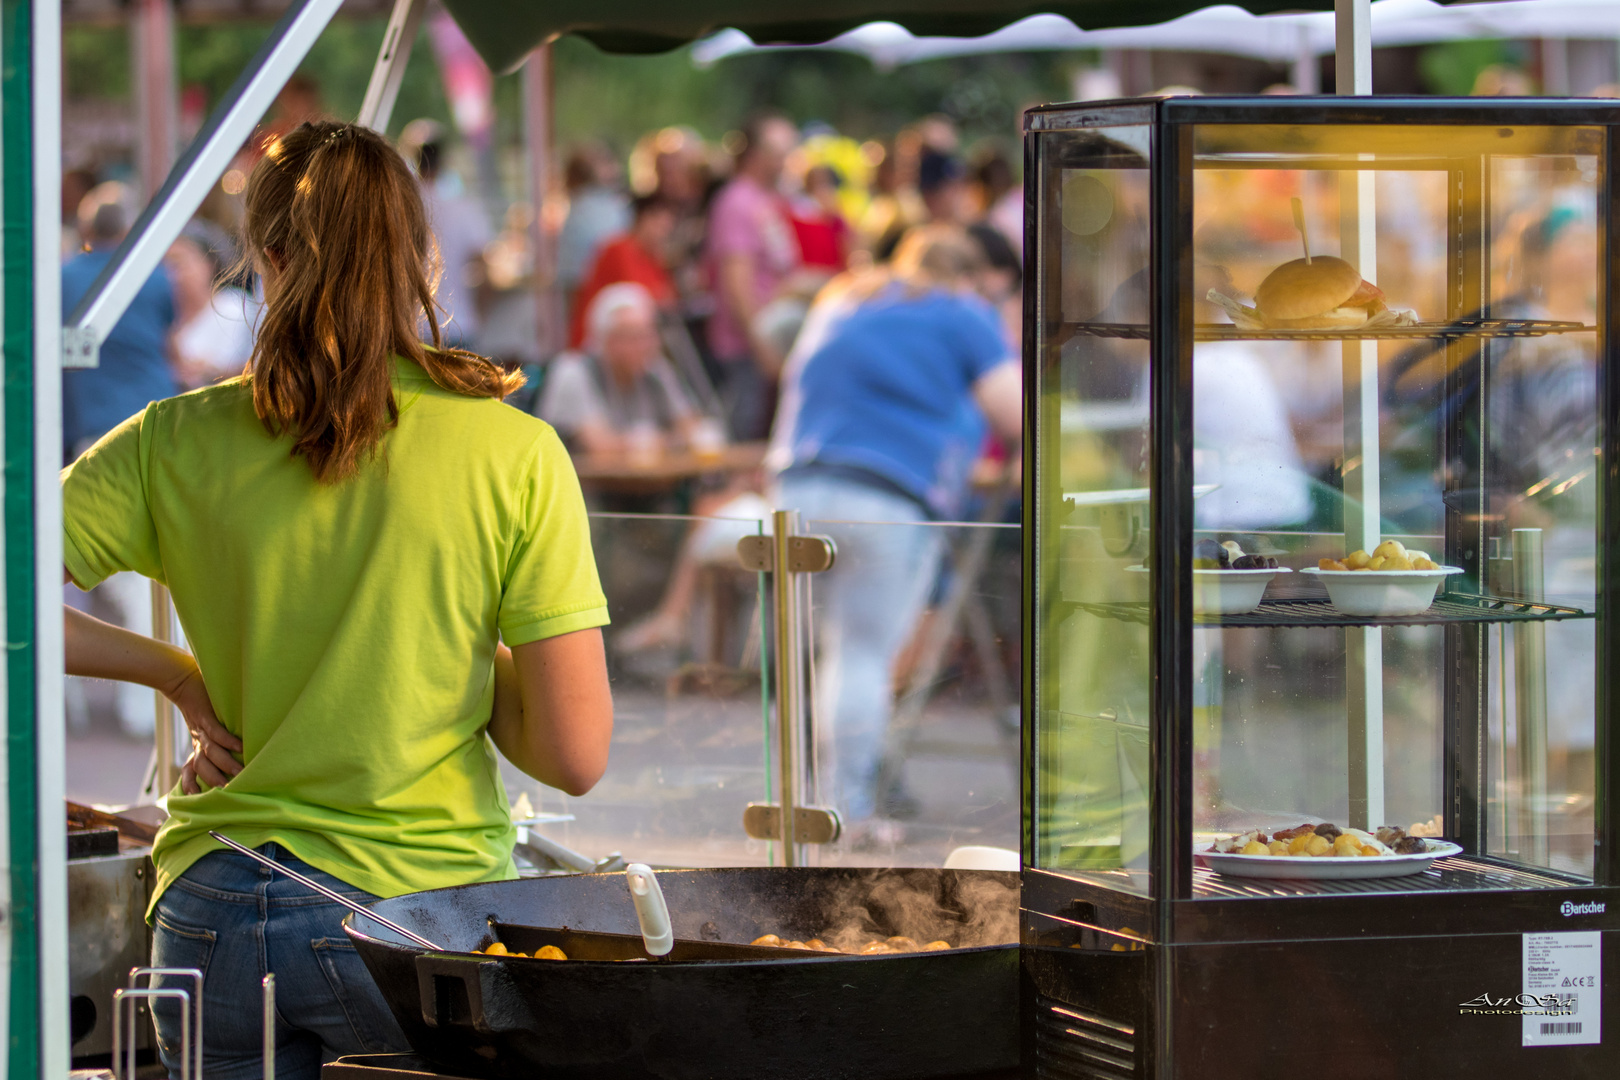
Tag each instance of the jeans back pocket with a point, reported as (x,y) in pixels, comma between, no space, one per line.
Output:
(176,945)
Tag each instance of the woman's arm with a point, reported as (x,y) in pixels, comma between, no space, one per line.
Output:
(553,715)
(100,650)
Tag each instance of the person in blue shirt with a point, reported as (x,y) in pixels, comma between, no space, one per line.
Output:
(134,368)
(888,396)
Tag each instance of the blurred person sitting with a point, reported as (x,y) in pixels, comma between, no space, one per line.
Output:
(619,395)
(751,251)
(460,226)
(639,255)
(134,363)
(886,399)
(214,321)
(596,211)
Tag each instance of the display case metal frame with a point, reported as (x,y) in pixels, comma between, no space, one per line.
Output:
(1100,960)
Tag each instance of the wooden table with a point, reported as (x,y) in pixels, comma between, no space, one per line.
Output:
(641,474)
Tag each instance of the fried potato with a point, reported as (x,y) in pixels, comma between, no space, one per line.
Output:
(1389,549)
(495,949)
(1255,847)
(1330,564)
(770,940)
(549,952)
(1357,559)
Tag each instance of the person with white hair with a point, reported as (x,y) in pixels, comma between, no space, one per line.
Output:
(620,394)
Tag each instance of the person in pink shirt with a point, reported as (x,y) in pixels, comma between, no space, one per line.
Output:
(751,251)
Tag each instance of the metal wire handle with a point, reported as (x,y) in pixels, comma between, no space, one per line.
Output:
(121,1050)
(135,974)
(335,897)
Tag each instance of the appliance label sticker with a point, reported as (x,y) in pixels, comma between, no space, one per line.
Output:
(1563,989)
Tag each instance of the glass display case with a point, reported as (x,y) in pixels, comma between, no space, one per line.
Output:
(1320,732)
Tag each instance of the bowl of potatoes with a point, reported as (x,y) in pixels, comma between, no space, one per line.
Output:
(1391,580)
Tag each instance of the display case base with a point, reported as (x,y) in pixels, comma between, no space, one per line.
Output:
(1390,1008)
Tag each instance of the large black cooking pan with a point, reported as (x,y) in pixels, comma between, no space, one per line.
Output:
(803,1016)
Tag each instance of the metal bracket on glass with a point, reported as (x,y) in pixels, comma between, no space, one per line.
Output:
(805,554)
(81,347)
(811,824)
(797,555)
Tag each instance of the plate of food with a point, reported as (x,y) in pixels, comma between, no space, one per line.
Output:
(1391,580)
(1323,852)
(1226,580)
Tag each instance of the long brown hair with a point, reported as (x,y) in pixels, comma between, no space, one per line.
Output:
(334,210)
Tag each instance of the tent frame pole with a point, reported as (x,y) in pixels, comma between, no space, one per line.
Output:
(1352,54)
(204,161)
(392,58)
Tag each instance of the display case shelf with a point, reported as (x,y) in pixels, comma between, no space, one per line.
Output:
(1455,608)
(1456,874)
(1481,328)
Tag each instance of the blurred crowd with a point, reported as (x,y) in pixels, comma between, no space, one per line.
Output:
(853,307)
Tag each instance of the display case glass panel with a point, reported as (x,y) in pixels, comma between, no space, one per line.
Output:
(1093,740)
(1441,417)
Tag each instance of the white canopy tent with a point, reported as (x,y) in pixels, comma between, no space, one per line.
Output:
(1222,29)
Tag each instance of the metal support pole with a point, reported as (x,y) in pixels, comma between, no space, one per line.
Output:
(43,490)
(392,58)
(204,161)
(151,40)
(1363,510)
(1352,54)
(789,685)
(1530,698)
(537,138)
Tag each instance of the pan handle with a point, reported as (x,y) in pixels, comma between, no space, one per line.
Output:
(651,911)
(458,992)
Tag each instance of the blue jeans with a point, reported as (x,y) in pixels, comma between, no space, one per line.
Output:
(237,921)
(865,609)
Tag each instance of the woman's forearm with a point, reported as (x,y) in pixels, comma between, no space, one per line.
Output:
(100,650)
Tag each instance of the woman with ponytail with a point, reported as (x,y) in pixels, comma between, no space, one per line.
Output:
(384,573)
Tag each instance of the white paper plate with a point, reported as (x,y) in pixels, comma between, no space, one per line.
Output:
(1383,592)
(1226,592)
(1325,868)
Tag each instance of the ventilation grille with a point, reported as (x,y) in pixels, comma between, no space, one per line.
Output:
(1074,1044)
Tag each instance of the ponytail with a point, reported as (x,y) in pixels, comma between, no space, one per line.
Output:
(334,211)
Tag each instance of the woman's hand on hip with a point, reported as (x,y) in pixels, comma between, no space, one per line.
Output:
(211,744)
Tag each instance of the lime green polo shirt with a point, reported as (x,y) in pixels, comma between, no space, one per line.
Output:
(346,632)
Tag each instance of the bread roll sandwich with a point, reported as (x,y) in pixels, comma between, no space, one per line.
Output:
(1323,293)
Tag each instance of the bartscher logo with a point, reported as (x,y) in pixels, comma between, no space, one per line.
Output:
(1571,908)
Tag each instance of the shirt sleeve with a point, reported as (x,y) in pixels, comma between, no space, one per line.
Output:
(983,346)
(551,585)
(107,522)
(568,401)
